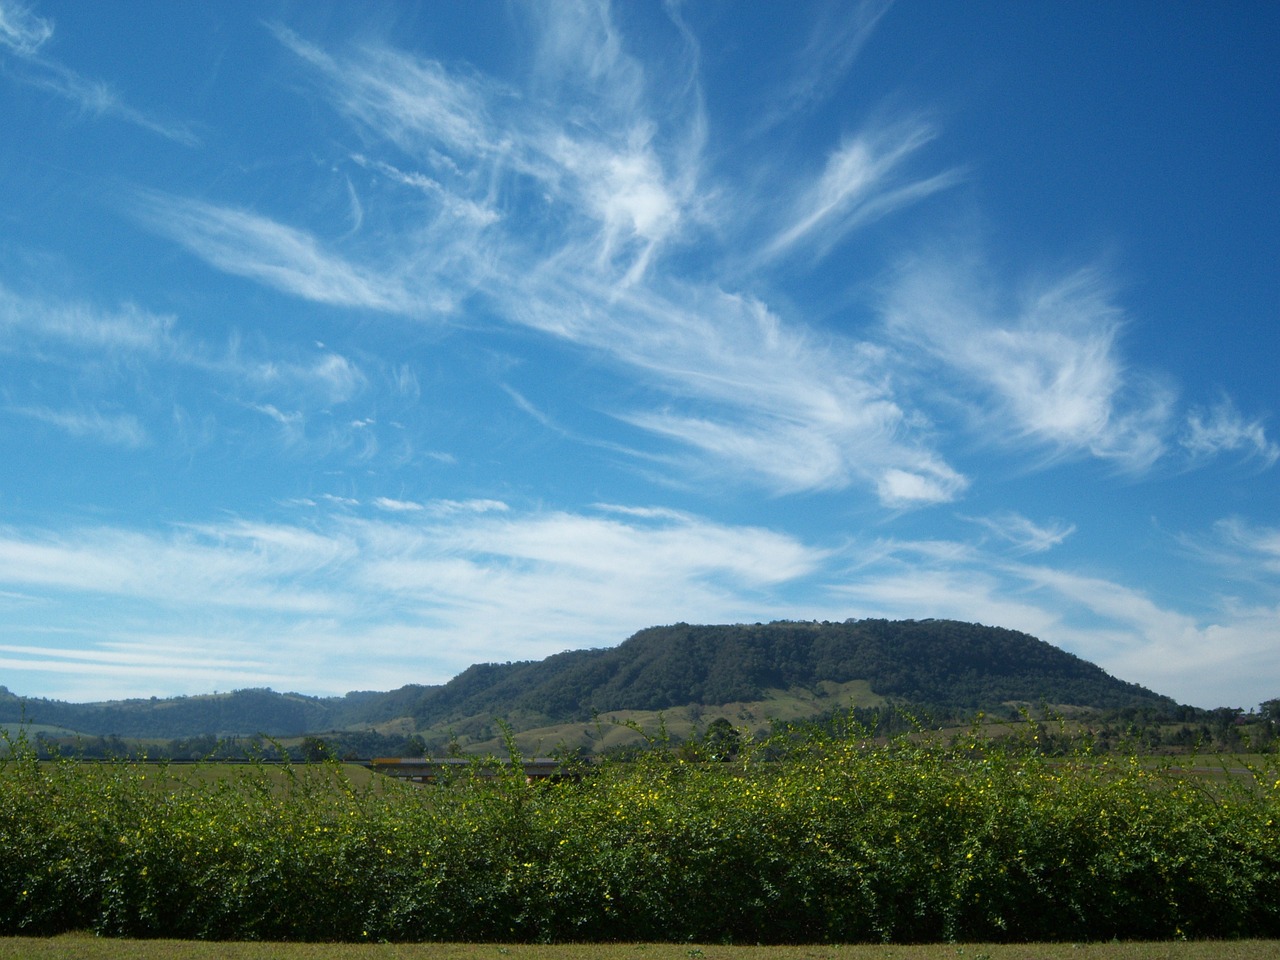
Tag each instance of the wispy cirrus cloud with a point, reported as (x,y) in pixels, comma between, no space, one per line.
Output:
(250,245)
(124,365)
(1046,372)
(414,102)
(1223,429)
(365,590)
(82,326)
(1023,534)
(169,663)
(397,506)
(21,30)
(112,429)
(1250,550)
(836,38)
(236,566)
(406,584)
(752,394)
(25,35)
(333,377)
(97,98)
(459,208)
(862,181)
(473,132)
(560,220)
(617,544)
(580,55)
(626,193)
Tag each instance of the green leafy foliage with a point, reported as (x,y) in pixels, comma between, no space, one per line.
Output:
(826,837)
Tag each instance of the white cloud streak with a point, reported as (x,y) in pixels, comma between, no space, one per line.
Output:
(560,220)
(397,506)
(1171,652)
(116,430)
(1048,371)
(1251,550)
(250,245)
(1024,535)
(22,31)
(109,357)
(448,584)
(835,40)
(1221,429)
(860,183)
(239,565)
(128,329)
(765,400)
(756,397)
(412,101)
(25,34)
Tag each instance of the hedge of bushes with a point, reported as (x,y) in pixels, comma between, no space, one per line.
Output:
(833,839)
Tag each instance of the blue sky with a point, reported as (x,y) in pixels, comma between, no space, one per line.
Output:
(345,345)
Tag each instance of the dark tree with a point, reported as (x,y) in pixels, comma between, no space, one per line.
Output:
(315,749)
(721,741)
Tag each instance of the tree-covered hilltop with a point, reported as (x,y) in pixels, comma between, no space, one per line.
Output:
(941,663)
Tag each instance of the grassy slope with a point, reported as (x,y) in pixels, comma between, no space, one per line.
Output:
(615,727)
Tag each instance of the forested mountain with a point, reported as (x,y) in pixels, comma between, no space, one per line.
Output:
(939,664)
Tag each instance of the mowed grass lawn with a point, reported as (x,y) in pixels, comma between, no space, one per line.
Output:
(88,947)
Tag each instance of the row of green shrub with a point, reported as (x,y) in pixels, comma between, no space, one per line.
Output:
(841,840)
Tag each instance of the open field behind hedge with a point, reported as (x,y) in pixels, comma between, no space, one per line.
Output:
(829,840)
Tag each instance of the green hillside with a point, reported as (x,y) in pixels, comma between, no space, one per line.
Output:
(940,663)
(778,668)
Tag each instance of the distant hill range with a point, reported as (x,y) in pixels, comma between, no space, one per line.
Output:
(782,669)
